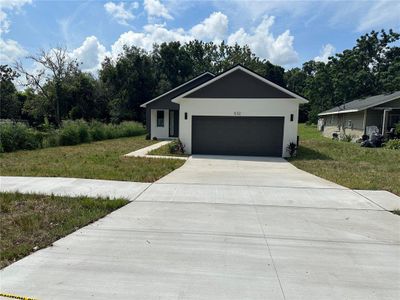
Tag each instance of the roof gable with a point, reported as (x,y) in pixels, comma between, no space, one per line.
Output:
(239,84)
(362,104)
(175,92)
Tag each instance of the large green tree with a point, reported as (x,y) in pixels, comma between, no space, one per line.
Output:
(128,82)
(371,67)
(10,105)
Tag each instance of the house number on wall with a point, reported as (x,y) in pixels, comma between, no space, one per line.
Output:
(237,113)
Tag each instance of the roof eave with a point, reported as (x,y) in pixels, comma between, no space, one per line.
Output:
(174,89)
(338,112)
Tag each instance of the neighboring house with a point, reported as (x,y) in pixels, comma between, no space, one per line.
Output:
(355,117)
(237,112)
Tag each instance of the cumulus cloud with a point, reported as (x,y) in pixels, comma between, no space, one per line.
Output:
(12,6)
(121,13)
(213,28)
(327,51)
(155,8)
(10,51)
(278,49)
(261,41)
(91,54)
(152,34)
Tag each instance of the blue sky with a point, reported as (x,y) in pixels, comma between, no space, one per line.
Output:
(287,33)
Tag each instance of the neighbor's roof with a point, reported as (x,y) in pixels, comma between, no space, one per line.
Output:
(361,104)
(183,87)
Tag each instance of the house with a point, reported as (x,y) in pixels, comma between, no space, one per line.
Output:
(237,112)
(355,118)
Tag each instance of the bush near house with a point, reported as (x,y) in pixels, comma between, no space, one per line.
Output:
(19,136)
(393,144)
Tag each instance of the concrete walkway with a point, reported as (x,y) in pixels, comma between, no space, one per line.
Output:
(144,152)
(225,228)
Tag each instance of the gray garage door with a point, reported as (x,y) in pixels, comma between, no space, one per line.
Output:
(254,136)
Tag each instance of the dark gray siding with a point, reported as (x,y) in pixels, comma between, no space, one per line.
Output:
(165,102)
(254,136)
(238,84)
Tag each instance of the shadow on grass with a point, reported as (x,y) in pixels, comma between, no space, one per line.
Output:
(305,153)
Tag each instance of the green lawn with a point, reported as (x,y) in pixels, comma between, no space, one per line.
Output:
(98,160)
(32,222)
(348,164)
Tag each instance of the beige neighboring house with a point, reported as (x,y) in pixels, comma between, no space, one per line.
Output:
(358,117)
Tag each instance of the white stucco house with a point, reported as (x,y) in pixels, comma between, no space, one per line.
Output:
(237,112)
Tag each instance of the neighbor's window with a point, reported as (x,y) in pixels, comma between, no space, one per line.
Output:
(160,118)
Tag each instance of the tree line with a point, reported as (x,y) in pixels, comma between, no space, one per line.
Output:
(58,89)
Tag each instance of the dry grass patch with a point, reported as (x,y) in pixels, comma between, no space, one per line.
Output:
(31,222)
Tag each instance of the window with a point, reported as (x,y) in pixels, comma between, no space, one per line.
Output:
(160,118)
(185,115)
(291,117)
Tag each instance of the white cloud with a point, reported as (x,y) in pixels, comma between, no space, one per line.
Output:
(382,13)
(13,4)
(91,54)
(214,27)
(261,41)
(121,13)
(10,51)
(152,34)
(155,8)
(4,22)
(10,5)
(327,51)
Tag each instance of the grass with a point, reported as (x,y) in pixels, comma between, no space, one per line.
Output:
(31,222)
(348,164)
(98,160)
(164,150)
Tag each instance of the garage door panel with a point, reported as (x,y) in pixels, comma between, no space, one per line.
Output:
(255,136)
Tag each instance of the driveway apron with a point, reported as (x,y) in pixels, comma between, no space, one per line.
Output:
(225,228)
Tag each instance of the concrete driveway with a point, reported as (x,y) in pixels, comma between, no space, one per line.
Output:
(225,228)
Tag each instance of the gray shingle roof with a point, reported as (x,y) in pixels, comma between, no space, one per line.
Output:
(361,104)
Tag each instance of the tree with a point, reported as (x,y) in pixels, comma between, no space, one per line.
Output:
(54,67)
(172,65)
(128,82)
(10,104)
(371,67)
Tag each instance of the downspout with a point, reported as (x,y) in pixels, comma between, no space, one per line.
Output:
(384,122)
(365,121)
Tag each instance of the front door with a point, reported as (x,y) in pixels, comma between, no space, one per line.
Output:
(174,123)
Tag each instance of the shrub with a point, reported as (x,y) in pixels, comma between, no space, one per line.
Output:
(74,132)
(18,136)
(51,139)
(129,129)
(176,147)
(393,144)
(97,131)
(292,149)
(397,129)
